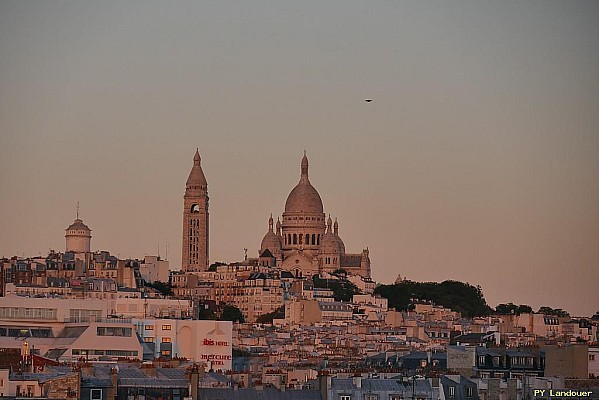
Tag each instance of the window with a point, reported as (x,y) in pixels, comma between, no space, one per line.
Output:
(166,327)
(344,397)
(452,392)
(95,394)
(79,315)
(27,313)
(166,340)
(371,397)
(149,339)
(149,327)
(591,357)
(481,360)
(469,391)
(165,353)
(113,331)
(121,353)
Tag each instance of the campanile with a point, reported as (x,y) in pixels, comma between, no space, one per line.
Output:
(195,220)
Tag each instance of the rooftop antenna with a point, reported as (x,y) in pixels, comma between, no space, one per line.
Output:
(77,210)
(166,255)
(246,253)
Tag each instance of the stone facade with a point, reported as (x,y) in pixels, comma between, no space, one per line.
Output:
(78,237)
(66,387)
(195,220)
(306,242)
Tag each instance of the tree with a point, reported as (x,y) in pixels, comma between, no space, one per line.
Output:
(558,312)
(506,309)
(164,288)
(511,308)
(239,352)
(206,313)
(213,266)
(343,290)
(269,317)
(457,296)
(231,313)
(524,309)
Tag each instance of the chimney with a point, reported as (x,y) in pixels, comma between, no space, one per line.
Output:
(87,369)
(149,369)
(358,381)
(324,384)
(193,376)
(493,389)
(111,392)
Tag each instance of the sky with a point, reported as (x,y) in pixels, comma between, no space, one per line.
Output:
(477,160)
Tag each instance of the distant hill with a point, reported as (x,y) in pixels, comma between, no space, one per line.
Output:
(457,296)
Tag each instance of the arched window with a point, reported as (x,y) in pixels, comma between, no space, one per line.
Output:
(300,238)
(295,238)
(318,240)
(313,239)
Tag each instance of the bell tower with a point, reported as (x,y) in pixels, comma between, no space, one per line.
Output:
(195,220)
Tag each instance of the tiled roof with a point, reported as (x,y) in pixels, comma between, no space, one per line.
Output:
(257,394)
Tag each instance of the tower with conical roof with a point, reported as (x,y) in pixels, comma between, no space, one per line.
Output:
(195,220)
(78,236)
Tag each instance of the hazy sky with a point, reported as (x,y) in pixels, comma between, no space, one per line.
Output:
(478,159)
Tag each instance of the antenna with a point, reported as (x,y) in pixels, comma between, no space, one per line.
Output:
(77,210)
(166,255)
(246,253)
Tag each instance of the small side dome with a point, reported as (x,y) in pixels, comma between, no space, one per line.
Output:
(270,242)
(337,237)
(329,244)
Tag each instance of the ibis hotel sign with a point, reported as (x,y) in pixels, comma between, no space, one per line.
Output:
(216,348)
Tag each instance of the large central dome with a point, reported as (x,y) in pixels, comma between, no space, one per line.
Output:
(304,198)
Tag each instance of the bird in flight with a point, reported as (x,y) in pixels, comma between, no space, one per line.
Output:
(368,100)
